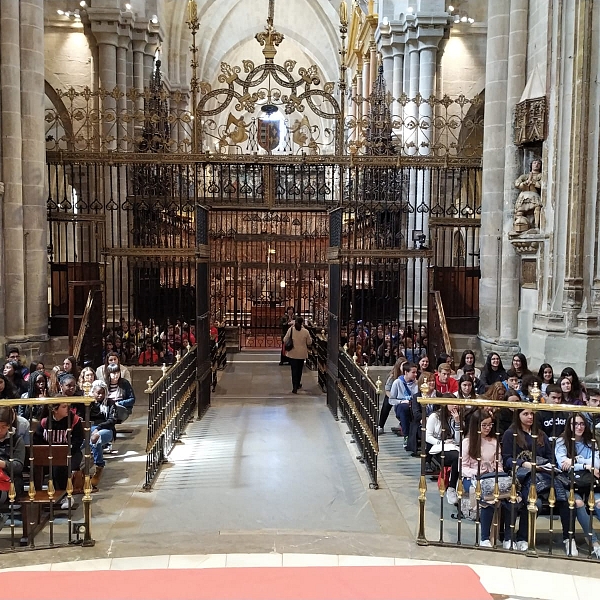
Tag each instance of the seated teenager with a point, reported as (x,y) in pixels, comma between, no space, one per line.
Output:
(512,384)
(493,370)
(575,450)
(546,374)
(520,458)
(569,395)
(578,390)
(11,460)
(467,358)
(110,359)
(386,407)
(103,417)
(519,366)
(444,383)
(56,424)
(552,423)
(120,390)
(469,372)
(416,410)
(402,391)
(481,456)
(443,435)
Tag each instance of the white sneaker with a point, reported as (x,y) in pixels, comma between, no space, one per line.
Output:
(485,544)
(507,545)
(522,546)
(573,548)
(596,550)
(65,504)
(451,496)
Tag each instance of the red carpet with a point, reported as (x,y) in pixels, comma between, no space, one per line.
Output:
(436,582)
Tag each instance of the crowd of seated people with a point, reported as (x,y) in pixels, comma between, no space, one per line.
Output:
(498,442)
(114,399)
(383,344)
(147,345)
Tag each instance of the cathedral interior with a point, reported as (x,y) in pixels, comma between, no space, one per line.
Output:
(170,168)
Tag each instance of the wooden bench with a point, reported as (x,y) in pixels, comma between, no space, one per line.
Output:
(34,518)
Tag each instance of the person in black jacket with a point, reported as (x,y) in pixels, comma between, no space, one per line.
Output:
(58,425)
(119,390)
(11,461)
(493,370)
(103,417)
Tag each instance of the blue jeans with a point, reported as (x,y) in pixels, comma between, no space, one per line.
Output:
(106,436)
(403,414)
(486,515)
(127,403)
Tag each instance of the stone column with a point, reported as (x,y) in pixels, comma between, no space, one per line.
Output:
(492,217)
(572,301)
(398,78)
(374,65)
(366,84)
(34,169)
(516,71)
(13,282)
(121,61)
(107,75)
(359,92)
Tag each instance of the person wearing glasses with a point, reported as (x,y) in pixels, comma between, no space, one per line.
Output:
(575,449)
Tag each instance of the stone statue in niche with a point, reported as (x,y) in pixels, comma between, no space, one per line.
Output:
(528,206)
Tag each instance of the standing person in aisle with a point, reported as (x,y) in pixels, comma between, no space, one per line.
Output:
(284,324)
(299,353)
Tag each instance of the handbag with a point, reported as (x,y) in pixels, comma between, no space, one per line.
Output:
(289,345)
(584,480)
(488,483)
(4,482)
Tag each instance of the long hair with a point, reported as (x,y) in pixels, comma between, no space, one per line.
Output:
(543,367)
(463,358)
(9,392)
(74,368)
(487,368)
(460,392)
(474,428)
(521,357)
(572,394)
(518,427)
(298,323)
(32,392)
(569,433)
(495,391)
(18,373)
(575,384)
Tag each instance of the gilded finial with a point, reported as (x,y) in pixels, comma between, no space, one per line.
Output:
(535,393)
(378,385)
(149,385)
(164,369)
(343,13)
(425,388)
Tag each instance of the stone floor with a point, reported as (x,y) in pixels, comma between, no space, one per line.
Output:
(270,474)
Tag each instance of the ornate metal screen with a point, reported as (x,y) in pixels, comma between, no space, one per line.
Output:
(268,149)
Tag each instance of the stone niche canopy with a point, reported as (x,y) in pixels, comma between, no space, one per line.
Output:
(531,113)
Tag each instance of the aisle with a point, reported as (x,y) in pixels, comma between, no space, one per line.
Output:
(262,458)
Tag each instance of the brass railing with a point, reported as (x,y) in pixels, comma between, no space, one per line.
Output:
(439,336)
(76,348)
(36,504)
(460,536)
(171,403)
(359,402)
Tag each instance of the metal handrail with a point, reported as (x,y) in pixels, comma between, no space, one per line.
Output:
(439,306)
(83,325)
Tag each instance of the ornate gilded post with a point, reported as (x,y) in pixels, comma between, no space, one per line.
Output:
(194,24)
(343,67)
(535,393)
(421,537)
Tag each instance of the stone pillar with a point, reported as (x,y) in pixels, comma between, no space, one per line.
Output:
(427,71)
(398,78)
(107,76)
(34,169)
(572,301)
(374,65)
(359,92)
(388,68)
(366,84)
(517,69)
(121,61)
(492,217)
(13,283)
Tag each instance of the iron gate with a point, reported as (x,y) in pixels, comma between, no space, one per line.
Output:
(263,261)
